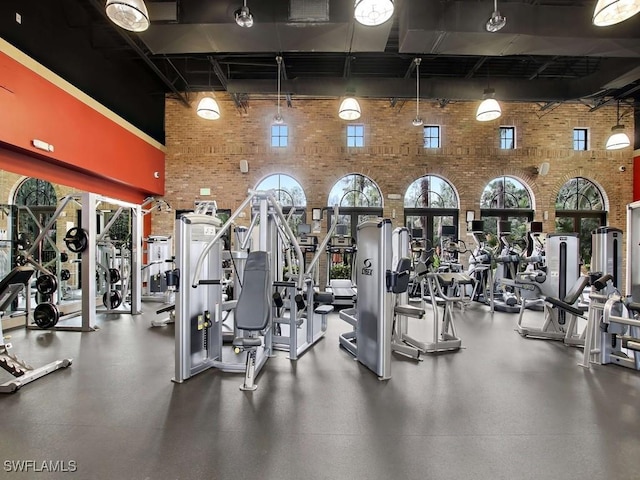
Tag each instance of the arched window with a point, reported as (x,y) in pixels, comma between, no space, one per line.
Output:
(289,194)
(430,203)
(359,199)
(580,209)
(36,202)
(287,189)
(506,199)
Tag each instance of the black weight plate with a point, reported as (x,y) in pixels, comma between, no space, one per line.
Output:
(65,274)
(46,315)
(114,275)
(112,299)
(46,284)
(76,240)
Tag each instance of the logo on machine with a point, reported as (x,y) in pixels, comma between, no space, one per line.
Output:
(366,269)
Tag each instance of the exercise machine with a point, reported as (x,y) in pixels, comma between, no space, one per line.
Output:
(11,285)
(341,250)
(507,264)
(199,310)
(614,336)
(369,341)
(444,337)
(481,267)
(84,241)
(563,286)
(155,285)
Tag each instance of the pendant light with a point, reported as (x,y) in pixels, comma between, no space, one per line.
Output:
(131,15)
(489,109)
(243,16)
(618,138)
(208,109)
(496,21)
(349,109)
(417,122)
(278,118)
(373,12)
(610,12)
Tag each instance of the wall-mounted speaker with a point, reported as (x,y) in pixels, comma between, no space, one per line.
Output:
(244,166)
(543,169)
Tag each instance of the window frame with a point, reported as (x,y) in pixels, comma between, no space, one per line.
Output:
(357,128)
(279,135)
(586,139)
(507,128)
(425,137)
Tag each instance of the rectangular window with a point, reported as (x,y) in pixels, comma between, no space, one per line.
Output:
(580,139)
(355,135)
(507,138)
(431,135)
(279,135)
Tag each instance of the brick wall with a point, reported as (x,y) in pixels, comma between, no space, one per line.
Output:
(206,154)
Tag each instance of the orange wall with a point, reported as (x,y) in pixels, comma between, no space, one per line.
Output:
(91,151)
(636,175)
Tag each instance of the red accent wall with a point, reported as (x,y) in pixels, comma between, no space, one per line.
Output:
(91,152)
(636,175)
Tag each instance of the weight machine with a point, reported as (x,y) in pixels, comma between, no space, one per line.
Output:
(199,310)
(372,319)
(562,286)
(614,336)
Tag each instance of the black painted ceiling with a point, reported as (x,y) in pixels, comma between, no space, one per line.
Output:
(548,52)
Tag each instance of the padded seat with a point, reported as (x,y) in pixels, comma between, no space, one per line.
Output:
(247,342)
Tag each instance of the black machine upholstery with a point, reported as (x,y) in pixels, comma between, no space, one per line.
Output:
(253,307)
(400,282)
(19,277)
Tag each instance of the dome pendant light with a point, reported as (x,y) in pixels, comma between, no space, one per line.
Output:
(349,109)
(243,16)
(618,138)
(278,118)
(417,122)
(373,12)
(208,109)
(131,15)
(610,12)
(496,21)
(489,109)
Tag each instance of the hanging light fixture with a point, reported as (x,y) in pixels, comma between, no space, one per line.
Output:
(618,138)
(610,12)
(349,109)
(278,118)
(131,15)
(496,21)
(489,109)
(417,122)
(243,15)
(373,12)
(208,109)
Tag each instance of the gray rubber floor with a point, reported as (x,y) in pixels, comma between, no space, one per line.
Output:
(505,407)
